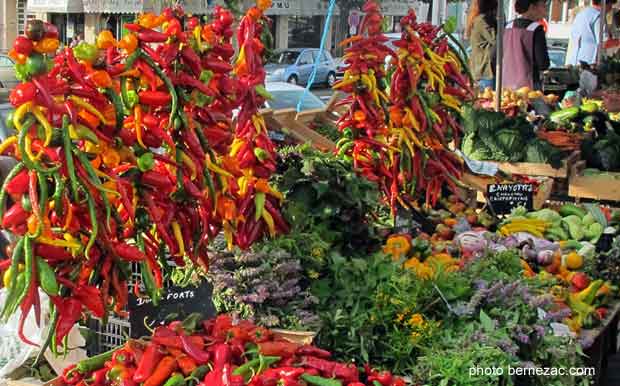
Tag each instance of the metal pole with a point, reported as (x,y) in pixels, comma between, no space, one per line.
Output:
(499,55)
(602,29)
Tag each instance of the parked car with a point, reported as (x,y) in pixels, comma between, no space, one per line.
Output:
(5,109)
(294,65)
(341,67)
(286,95)
(557,56)
(7,73)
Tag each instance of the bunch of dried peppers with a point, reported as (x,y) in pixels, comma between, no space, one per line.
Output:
(397,134)
(217,352)
(124,153)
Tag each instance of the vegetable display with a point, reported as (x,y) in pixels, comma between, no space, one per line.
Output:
(398,137)
(126,156)
(217,352)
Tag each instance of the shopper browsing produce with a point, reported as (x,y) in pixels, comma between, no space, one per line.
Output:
(525,46)
(481,30)
(585,34)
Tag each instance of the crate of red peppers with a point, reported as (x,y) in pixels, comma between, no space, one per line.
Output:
(217,352)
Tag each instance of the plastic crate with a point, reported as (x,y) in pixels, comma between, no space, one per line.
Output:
(107,336)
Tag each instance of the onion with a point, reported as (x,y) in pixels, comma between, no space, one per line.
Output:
(545,257)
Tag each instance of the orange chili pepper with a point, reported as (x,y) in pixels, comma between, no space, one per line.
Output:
(111,158)
(255,13)
(137,121)
(46,45)
(208,35)
(359,116)
(101,78)
(263,5)
(91,120)
(105,40)
(96,162)
(17,57)
(129,43)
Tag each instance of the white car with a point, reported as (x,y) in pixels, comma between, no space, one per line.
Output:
(286,95)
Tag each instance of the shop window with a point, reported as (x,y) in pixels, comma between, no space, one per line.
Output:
(304,31)
(21,16)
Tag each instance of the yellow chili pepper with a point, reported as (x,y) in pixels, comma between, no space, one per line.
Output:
(228,234)
(270,223)
(105,40)
(176,230)
(90,108)
(187,161)
(29,149)
(10,141)
(58,242)
(45,123)
(19,114)
(214,168)
(46,45)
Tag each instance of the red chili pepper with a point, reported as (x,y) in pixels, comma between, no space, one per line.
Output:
(193,350)
(19,184)
(217,65)
(313,351)
(22,93)
(155,98)
(156,180)
(129,252)
(15,216)
(69,312)
(91,298)
(192,60)
(50,252)
(22,45)
(152,36)
(151,357)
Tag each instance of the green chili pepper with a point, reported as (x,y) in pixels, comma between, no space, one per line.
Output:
(86,52)
(3,194)
(13,299)
(205,76)
(320,381)
(47,277)
(130,97)
(59,188)
(255,366)
(28,265)
(169,85)
(118,107)
(68,145)
(178,159)
(94,363)
(259,203)
(26,203)
(131,59)
(50,333)
(18,254)
(31,164)
(84,132)
(262,91)
(146,162)
(147,276)
(92,213)
(35,64)
(97,183)
(21,72)
(175,380)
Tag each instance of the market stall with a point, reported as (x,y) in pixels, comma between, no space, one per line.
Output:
(150,210)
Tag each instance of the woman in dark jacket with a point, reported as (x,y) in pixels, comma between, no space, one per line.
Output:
(525,46)
(481,31)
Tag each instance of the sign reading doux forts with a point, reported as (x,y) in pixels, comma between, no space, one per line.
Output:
(176,301)
(504,197)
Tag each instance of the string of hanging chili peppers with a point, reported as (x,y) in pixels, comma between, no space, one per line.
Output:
(125,155)
(397,131)
(253,207)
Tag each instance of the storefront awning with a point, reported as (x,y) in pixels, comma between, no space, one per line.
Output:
(400,8)
(300,8)
(118,6)
(55,6)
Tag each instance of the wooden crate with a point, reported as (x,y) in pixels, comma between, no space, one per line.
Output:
(537,169)
(599,187)
(294,124)
(479,184)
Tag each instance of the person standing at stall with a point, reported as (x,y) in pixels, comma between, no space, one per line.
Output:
(585,34)
(481,31)
(525,53)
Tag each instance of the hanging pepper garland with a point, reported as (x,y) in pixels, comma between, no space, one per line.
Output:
(124,155)
(252,158)
(399,137)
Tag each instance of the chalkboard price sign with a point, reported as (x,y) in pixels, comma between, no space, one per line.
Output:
(504,197)
(175,301)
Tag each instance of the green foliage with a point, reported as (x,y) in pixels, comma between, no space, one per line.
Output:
(324,196)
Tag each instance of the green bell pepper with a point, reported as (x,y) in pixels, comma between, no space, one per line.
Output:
(86,52)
